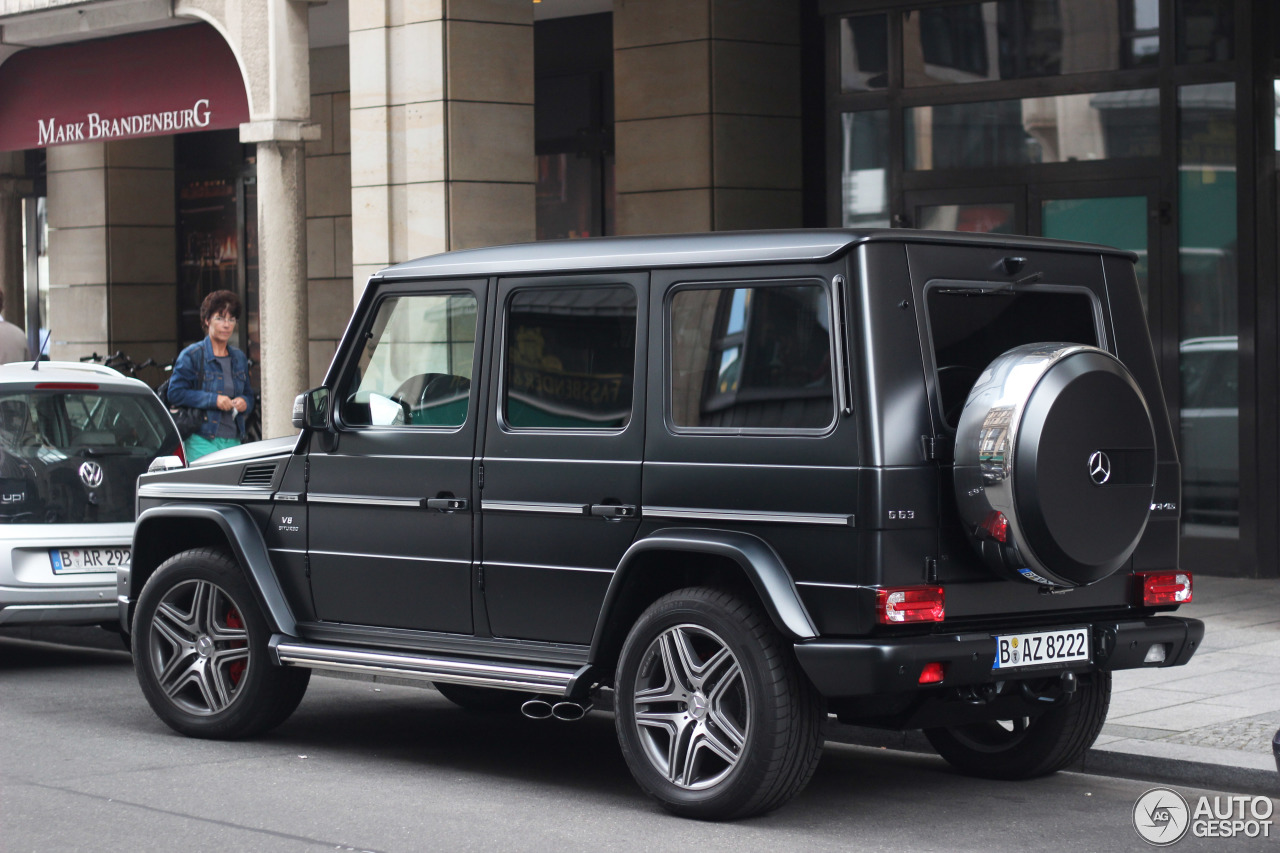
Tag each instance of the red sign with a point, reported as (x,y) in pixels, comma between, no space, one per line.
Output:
(158,83)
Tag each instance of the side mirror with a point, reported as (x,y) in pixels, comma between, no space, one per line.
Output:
(311,409)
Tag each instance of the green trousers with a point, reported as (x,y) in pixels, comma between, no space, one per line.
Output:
(198,446)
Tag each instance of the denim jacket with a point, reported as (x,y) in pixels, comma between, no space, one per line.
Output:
(186,389)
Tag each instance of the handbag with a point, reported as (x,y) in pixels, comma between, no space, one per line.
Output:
(188,419)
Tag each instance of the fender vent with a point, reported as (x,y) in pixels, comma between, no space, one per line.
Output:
(258,475)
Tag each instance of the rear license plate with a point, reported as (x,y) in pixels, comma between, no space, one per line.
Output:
(67,561)
(1042,648)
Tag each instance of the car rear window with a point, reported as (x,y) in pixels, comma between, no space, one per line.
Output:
(73,456)
(970,326)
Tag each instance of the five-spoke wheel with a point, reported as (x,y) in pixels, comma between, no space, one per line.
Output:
(714,717)
(692,711)
(198,647)
(200,650)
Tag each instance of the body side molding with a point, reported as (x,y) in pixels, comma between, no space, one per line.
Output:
(761,564)
(246,543)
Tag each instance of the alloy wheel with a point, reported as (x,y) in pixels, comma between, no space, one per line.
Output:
(692,710)
(199,648)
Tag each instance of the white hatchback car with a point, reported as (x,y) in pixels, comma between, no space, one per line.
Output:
(73,440)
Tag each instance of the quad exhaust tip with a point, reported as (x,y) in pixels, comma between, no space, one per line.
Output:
(570,712)
(540,708)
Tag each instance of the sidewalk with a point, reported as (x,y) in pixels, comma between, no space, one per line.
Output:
(1208,724)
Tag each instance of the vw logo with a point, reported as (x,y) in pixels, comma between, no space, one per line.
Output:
(91,474)
(1099,467)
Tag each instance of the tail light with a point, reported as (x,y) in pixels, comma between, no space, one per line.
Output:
(1163,588)
(910,604)
(181,453)
(996,526)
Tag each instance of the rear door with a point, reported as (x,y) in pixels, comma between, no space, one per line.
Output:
(562,450)
(389,502)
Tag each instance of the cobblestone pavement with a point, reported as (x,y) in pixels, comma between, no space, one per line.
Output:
(1215,716)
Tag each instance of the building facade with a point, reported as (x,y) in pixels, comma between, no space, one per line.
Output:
(154,150)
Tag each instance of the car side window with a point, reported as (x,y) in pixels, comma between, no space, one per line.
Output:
(570,358)
(415,368)
(751,357)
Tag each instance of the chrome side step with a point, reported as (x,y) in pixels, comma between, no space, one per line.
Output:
(289,651)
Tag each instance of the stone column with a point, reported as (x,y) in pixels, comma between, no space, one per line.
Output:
(282,279)
(441,128)
(111,249)
(79,260)
(707,115)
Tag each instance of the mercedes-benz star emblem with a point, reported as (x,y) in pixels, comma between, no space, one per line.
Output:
(1099,467)
(91,474)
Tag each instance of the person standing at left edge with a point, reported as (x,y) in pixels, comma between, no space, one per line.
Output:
(13,341)
(214,376)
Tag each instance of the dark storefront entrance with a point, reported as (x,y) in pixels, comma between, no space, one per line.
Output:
(1130,123)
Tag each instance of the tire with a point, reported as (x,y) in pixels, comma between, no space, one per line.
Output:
(1028,747)
(482,700)
(200,651)
(714,716)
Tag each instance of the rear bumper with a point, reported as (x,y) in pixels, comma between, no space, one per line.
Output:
(85,604)
(884,665)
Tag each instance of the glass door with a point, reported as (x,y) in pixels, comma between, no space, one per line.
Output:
(1123,214)
(983,210)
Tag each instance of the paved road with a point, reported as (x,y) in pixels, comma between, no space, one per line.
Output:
(84,765)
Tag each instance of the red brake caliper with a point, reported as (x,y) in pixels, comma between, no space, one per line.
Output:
(236,670)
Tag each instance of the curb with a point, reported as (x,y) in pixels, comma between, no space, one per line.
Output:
(1098,762)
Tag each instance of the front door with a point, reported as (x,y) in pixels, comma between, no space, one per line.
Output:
(562,450)
(389,501)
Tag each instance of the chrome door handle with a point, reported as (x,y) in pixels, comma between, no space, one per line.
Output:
(613,512)
(447,504)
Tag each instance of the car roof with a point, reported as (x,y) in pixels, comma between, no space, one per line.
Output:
(20,373)
(690,250)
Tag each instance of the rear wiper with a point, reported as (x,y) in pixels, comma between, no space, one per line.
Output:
(104,451)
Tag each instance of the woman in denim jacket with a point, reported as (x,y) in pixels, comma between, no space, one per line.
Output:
(221,388)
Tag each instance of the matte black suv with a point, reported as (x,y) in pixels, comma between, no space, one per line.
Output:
(743,480)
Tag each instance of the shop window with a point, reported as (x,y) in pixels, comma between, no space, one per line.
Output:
(1015,39)
(571,356)
(865,169)
(573,127)
(1208,308)
(979,218)
(864,53)
(1095,126)
(751,358)
(1206,31)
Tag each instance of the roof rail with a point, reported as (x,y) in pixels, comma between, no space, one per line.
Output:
(87,366)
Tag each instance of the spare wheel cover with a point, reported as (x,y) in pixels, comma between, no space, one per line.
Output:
(1077,475)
